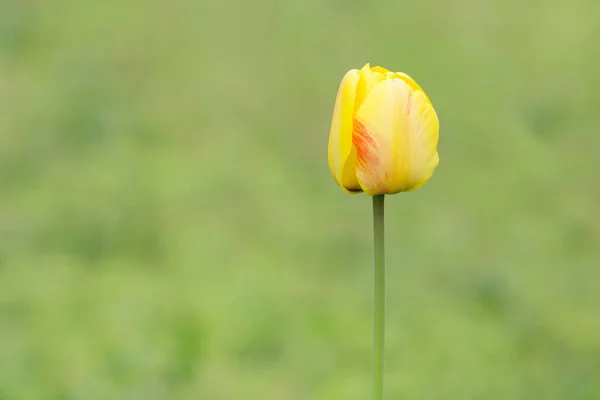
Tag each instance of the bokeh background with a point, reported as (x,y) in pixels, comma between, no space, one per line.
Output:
(169,228)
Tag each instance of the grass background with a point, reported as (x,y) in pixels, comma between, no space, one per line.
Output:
(169,228)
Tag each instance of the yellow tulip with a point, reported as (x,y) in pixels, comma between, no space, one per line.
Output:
(384,133)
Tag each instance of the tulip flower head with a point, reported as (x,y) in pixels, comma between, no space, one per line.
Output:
(384,133)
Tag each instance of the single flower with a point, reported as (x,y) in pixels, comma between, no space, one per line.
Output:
(384,133)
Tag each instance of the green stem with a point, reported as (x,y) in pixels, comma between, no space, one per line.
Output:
(379,303)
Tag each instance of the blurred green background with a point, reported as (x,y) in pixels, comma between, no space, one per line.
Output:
(169,228)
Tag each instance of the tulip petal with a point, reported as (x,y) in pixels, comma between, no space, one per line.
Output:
(342,158)
(368,80)
(379,69)
(395,133)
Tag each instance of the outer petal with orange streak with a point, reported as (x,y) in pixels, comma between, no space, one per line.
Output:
(395,133)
